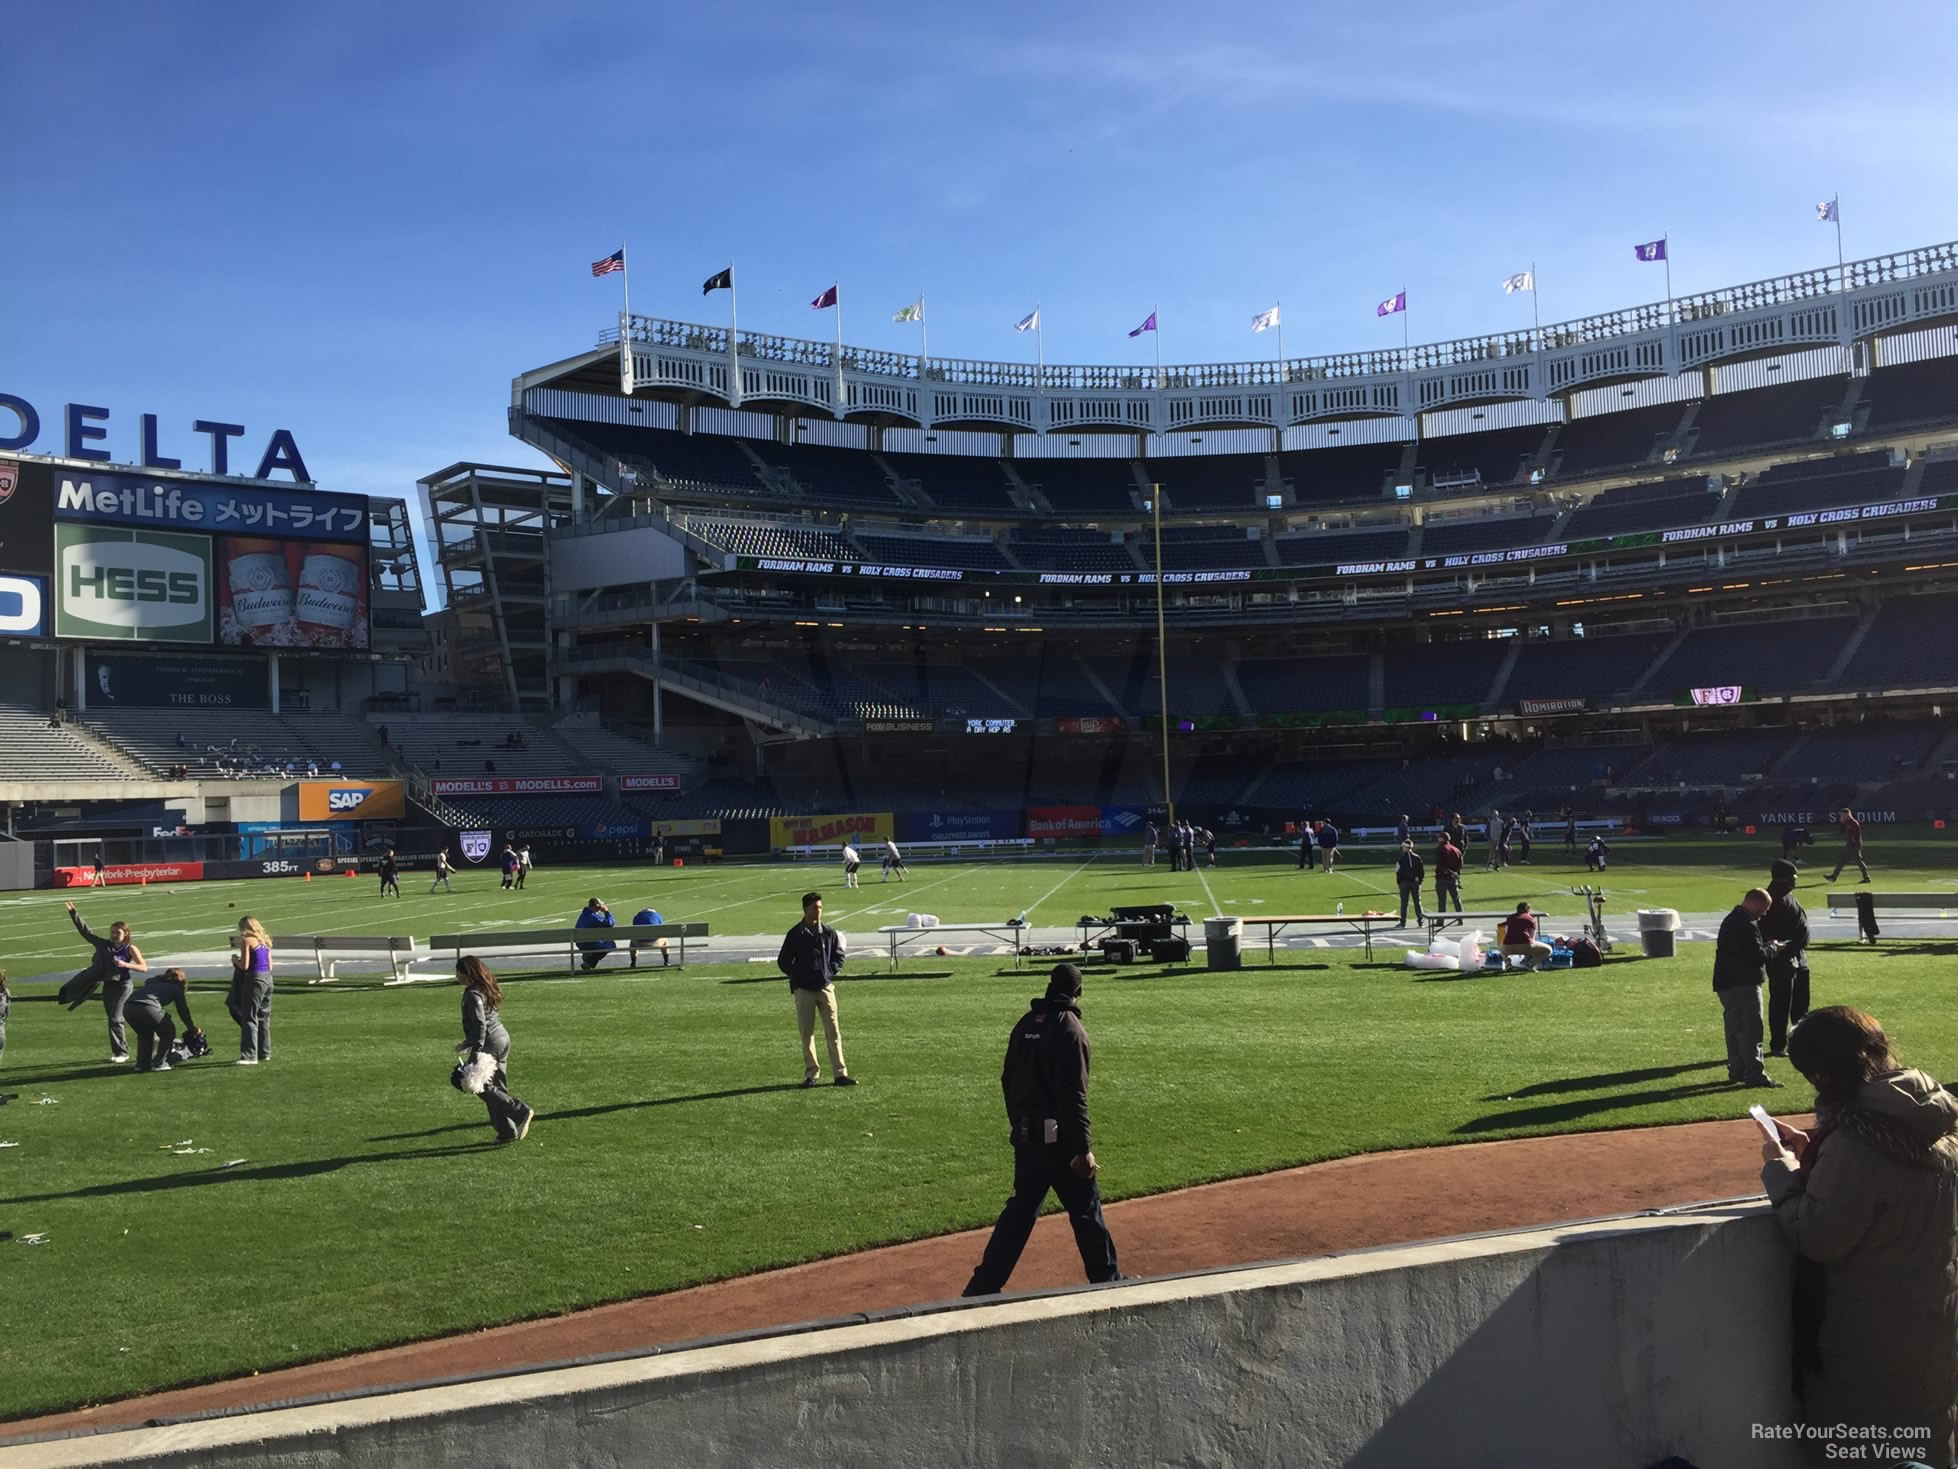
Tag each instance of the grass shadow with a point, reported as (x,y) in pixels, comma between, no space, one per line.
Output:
(571,1114)
(270,1172)
(28,1077)
(1564,1112)
(1604,1080)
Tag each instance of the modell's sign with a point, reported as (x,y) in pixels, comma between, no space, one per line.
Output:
(522,785)
(649,782)
(1552,706)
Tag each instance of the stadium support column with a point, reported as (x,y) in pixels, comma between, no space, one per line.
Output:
(77,677)
(272,681)
(1162,649)
(659,696)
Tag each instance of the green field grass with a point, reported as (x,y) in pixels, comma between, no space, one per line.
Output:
(672,1145)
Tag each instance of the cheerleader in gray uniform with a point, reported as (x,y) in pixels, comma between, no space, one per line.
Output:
(482,1031)
(115,957)
(148,1012)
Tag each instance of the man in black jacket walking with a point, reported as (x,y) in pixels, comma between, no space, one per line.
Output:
(1409,872)
(1046,1085)
(1739,957)
(812,957)
(1785,923)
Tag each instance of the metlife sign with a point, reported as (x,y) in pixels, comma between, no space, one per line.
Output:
(131,585)
(173,504)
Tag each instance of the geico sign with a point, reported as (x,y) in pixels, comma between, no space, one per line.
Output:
(22,606)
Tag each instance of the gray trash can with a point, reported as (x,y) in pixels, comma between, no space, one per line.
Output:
(1223,943)
(1658,932)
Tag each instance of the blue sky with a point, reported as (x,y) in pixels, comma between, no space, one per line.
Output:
(359,221)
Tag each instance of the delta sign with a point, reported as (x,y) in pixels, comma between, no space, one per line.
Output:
(84,425)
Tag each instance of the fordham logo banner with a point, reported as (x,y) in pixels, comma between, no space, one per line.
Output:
(475,845)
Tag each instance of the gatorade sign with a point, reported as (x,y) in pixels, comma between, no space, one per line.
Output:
(351,800)
(132,585)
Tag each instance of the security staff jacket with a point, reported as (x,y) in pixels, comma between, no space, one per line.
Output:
(1046,1076)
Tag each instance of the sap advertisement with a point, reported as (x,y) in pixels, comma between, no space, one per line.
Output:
(123,680)
(132,585)
(351,800)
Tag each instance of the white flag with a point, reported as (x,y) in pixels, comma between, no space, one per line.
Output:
(1825,212)
(1029,322)
(914,312)
(1264,319)
(1523,280)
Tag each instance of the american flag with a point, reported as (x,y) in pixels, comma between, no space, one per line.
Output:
(612,262)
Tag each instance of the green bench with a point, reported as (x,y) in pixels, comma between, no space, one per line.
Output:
(629,937)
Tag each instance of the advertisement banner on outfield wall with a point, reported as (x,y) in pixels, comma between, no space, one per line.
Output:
(291,594)
(1088,725)
(522,785)
(830,831)
(691,826)
(130,874)
(649,782)
(1063,821)
(351,800)
(957,826)
(1122,821)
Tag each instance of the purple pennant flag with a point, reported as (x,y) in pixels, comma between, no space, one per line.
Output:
(1656,250)
(1395,302)
(1147,326)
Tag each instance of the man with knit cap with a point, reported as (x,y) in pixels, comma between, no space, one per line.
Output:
(1785,923)
(1046,1085)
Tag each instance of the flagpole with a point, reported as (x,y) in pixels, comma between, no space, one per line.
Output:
(1672,313)
(1406,366)
(924,330)
(1536,308)
(1842,271)
(1279,327)
(733,339)
(625,281)
(1162,647)
(1157,333)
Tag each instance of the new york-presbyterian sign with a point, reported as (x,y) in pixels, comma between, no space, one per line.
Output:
(85,426)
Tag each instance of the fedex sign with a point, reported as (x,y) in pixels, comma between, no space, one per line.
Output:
(85,429)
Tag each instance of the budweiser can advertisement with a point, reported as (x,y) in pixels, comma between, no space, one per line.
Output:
(291,594)
(258,584)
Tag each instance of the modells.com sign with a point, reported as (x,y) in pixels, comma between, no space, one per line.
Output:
(134,585)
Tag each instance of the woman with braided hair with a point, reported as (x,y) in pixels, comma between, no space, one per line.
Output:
(1870,1199)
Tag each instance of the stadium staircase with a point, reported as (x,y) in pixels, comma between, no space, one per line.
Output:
(1725,510)
(1850,649)
(1774,766)
(1094,681)
(1503,671)
(742,701)
(1019,708)
(1228,668)
(1376,687)
(1024,493)
(1652,668)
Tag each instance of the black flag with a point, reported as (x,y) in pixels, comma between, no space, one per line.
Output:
(722,282)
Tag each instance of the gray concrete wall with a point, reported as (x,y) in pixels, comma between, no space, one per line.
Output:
(1609,1344)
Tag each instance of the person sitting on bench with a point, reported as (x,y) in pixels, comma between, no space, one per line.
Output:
(1519,938)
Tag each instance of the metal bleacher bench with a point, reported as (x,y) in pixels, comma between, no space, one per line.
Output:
(399,949)
(630,939)
(1899,907)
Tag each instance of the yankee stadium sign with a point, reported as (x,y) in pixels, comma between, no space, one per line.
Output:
(85,429)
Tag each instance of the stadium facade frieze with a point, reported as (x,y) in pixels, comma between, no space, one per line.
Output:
(1829,305)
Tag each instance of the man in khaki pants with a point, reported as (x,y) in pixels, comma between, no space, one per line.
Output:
(812,957)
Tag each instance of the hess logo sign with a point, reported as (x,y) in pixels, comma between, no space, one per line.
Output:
(132,584)
(347,799)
